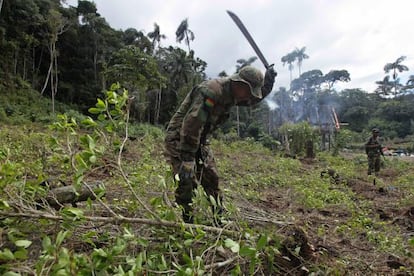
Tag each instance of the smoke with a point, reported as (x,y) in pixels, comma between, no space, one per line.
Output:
(271,104)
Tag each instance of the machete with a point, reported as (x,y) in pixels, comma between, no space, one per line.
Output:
(249,38)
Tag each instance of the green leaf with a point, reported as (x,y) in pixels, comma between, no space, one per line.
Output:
(115,112)
(23,243)
(114,87)
(188,242)
(6,255)
(101,104)
(232,245)
(11,273)
(74,213)
(46,243)
(81,162)
(21,254)
(91,142)
(89,122)
(261,243)
(60,237)
(139,261)
(246,251)
(4,204)
(92,159)
(100,252)
(101,117)
(94,110)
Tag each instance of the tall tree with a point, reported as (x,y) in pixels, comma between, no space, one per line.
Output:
(156,36)
(385,86)
(300,56)
(336,75)
(305,89)
(184,33)
(137,72)
(289,59)
(137,38)
(356,108)
(284,111)
(394,67)
(57,25)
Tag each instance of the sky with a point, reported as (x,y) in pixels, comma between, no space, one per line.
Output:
(359,36)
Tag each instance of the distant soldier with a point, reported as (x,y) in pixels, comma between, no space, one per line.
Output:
(202,111)
(373,150)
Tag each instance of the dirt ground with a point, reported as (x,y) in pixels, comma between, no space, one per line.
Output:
(354,253)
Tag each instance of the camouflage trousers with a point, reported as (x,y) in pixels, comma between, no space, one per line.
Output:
(374,163)
(206,174)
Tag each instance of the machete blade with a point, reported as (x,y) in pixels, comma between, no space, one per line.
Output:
(249,38)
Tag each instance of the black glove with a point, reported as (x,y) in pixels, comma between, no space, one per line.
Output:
(270,72)
(186,170)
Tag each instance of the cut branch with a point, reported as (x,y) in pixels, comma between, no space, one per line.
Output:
(120,219)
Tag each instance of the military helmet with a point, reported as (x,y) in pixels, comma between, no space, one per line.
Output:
(252,77)
(375,130)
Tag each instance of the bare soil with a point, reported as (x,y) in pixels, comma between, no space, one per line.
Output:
(352,254)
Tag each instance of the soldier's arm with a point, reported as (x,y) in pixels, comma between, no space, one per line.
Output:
(269,80)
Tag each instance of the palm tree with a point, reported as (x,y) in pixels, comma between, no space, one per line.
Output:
(156,36)
(410,80)
(300,56)
(184,33)
(394,67)
(289,59)
(385,86)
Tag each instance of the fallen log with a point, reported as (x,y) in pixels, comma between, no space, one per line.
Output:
(57,197)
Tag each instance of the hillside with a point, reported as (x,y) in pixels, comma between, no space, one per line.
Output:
(285,216)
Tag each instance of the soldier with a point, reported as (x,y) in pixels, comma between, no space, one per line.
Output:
(373,150)
(202,111)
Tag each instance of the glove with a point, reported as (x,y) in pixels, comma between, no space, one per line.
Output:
(186,170)
(270,72)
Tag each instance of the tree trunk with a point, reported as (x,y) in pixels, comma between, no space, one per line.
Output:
(47,79)
(57,197)
(157,106)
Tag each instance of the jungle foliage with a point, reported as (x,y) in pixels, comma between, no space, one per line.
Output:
(71,55)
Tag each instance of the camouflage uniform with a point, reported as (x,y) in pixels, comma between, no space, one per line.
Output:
(373,150)
(202,111)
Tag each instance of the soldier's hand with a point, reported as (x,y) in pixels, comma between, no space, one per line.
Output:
(187,169)
(270,72)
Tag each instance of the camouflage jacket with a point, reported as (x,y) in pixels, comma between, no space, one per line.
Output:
(373,146)
(202,111)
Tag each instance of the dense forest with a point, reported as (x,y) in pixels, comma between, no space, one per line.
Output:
(72,54)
